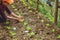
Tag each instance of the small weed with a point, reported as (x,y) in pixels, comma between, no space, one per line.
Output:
(28,28)
(12,33)
(9,28)
(53,30)
(25,23)
(31,34)
(47,25)
(58,36)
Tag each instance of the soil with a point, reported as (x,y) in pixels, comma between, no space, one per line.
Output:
(33,20)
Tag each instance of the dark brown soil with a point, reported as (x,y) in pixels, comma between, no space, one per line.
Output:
(33,20)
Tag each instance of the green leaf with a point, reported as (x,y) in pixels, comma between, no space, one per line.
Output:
(25,23)
(58,36)
(9,28)
(28,28)
(47,25)
(53,30)
(12,33)
(32,33)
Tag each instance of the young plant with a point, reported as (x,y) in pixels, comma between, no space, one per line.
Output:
(28,28)
(58,36)
(9,28)
(25,23)
(47,25)
(53,30)
(31,34)
(12,33)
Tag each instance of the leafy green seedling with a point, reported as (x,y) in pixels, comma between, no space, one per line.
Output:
(12,33)
(28,28)
(32,33)
(25,23)
(58,36)
(47,25)
(53,30)
(42,20)
(9,28)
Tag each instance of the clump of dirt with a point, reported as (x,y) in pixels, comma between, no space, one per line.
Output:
(34,27)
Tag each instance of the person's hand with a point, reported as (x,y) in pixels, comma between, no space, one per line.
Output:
(20,19)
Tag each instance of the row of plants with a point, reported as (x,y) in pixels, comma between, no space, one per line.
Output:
(28,30)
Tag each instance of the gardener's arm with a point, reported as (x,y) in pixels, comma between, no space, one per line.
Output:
(10,12)
(12,18)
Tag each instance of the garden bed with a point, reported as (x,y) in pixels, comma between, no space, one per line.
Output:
(34,27)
